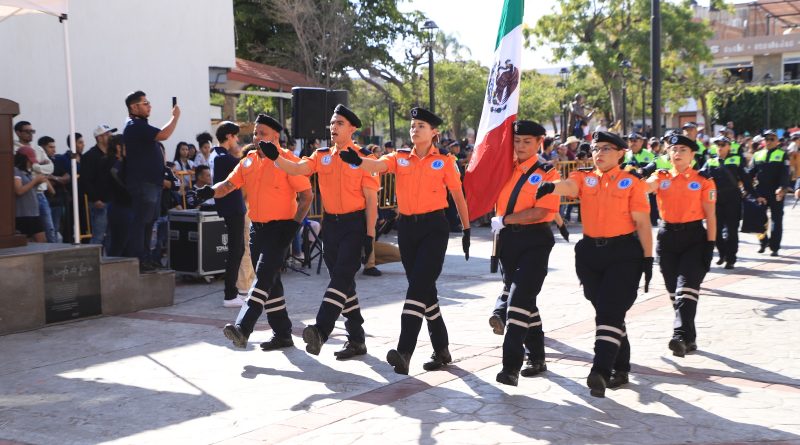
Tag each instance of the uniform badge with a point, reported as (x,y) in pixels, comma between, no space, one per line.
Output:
(673,140)
(534,179)
(665,184)
(590,181)
(326,160)
(275,163)
(437,164)
(712,195)
(694,186)
(625,183)
(247,162)
(402,162)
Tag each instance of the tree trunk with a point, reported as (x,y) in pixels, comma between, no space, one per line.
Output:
(706,115)
(555,125)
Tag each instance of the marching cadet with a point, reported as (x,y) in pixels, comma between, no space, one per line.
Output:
(771,172)
(349,199)
(685,247)
(523,225)
(276,214)
(727,170)
(423,176)
(616,249)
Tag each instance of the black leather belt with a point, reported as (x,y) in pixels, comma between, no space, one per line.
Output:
(343,216)
(261,225)
(526,227)
(603,242)
(683,226)
(422,216)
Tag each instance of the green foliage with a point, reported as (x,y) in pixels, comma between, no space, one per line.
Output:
(539,97)
(747,106)
(460,89)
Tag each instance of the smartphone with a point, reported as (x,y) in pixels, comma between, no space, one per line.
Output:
(174,101)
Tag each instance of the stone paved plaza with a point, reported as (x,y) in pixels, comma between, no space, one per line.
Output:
(169,376)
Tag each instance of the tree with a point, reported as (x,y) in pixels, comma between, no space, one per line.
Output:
(540,99)
(610,31)
(460,89)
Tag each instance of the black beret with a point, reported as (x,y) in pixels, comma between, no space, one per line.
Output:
(634,136)
(388,144)
(607,136)
(689,125)
(677,139)
(348,114)
(422,114)
(270,122)
(528,128)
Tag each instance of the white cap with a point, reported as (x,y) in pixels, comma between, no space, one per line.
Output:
(102,129)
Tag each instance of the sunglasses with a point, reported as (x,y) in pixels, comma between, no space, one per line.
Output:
(31,131)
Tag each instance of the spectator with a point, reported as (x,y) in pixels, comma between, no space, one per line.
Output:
(203,156)
(192,153)
(144,171)
(572,147)
(388,147)
(95,181)
(28,220)
(311,147)
(120,213)
(63,162)
(203,178)
(183,164)
(42,167)
(59,181)
(24,131)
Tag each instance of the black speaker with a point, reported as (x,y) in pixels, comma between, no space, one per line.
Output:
(336,97)
(309,113)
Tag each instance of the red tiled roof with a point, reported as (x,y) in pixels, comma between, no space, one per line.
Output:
(267,76)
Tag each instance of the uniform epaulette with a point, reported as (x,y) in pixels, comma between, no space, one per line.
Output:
(404,150)
(663,172)
(705,173)
(444,151)
(324,149)
(364,151)
(546,167)
(585,169)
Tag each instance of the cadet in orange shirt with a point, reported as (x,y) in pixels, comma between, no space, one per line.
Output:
(276,216)
(616,249)
(423,178)
(685,247)
(525,241)
(350,199)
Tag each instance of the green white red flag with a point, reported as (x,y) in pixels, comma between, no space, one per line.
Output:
(492,158)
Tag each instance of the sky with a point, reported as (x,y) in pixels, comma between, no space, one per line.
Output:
(474,23)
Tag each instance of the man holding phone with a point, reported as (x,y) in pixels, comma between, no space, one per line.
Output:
(144,170)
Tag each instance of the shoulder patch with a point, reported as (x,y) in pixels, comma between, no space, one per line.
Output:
(324,149)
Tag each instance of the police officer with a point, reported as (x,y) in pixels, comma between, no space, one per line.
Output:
(523,225)
(349,199)
(702,152)
(423,176)
(770,170)
(275,213)
(685,247)
(644,162)
(727,170)
(615,251)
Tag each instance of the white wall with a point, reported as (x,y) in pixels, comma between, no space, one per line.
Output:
(163,47)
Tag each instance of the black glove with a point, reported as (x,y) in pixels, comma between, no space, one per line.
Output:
(564,232)
(708,254)
(269,149)
(367,249)
(545,188)
(350,156)
(465,243)
(204,193)
(647,270)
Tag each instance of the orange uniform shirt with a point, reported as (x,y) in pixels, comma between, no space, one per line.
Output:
(422,183)
(340,184)
(527,194)
(607,200)
(680,196)
(271,194)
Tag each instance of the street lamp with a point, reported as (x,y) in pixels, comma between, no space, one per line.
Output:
(767,81)
(625,65)
(430,25)
(564,74)
(643,79)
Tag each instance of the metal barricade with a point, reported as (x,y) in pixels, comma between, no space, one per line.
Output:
(387,198)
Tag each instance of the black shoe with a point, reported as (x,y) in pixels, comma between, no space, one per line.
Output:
(597,384)
(720,261)
(277,343)
(533,367)
(729,266)
(438,359)
(678,347)
(235,334)
(506,377)
(617,379)
(372,272)
(146,267)
(399,361)
(774,253)
(350,350)
(313,339)
(691,346)
(498,327)
(764,244)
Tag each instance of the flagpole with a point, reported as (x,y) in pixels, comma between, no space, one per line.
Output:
(76,226)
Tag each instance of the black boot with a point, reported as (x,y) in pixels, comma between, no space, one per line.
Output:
(533,367)
(764,244)
(235,334)
(313,339)
(597,384)
(508,377)
(277,343)
(617,379)
(350,350)
(678,347)
(438,359)
(399,361)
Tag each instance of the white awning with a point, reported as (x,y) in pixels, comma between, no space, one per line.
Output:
(10,8)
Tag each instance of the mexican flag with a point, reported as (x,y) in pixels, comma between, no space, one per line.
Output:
(492,159)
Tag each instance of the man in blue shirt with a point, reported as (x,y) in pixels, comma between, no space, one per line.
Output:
(144,171)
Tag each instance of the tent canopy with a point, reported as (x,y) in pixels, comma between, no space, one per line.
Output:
(10,8)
